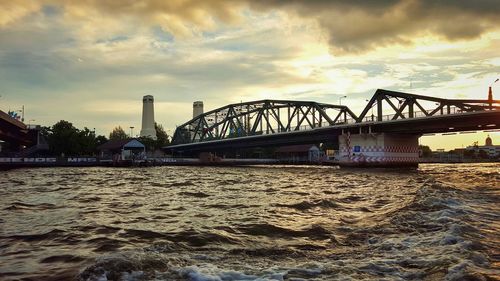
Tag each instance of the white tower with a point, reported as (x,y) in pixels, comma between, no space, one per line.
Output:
(197,108)
(148,117)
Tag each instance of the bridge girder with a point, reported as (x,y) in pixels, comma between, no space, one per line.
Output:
(399,105)
(13,131)
(267,117)
(260,117)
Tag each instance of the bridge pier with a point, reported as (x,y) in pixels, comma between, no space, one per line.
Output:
(378,150)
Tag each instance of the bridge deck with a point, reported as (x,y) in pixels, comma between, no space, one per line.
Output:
(12,130)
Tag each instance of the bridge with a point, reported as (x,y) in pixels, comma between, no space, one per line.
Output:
(19,136)
(386,131)
(13,130)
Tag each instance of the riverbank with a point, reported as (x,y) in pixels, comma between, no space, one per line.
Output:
(19,162)
(7,163)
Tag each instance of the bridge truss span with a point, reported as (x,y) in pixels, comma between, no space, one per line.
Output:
(261,118)
(388,105)
(385,111)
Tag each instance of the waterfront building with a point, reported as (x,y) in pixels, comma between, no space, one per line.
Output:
(305,153)
(126,149)
(489,148)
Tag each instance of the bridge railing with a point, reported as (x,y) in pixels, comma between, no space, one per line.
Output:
(416,114)
(373,118)
(305,127)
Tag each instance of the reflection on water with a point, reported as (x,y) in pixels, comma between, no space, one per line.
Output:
(250,223)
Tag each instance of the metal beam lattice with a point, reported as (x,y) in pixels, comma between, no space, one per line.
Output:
(388,105)
(277,116)
(261,117)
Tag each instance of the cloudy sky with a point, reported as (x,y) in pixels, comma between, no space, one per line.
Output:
(91,61)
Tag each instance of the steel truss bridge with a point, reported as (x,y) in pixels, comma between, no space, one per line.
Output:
(282,122)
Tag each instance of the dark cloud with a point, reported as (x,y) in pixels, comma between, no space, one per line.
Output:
(351,26)
(359,25)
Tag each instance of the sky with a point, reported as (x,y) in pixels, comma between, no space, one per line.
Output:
(91,61)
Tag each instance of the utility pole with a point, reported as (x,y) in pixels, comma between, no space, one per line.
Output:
(490,94)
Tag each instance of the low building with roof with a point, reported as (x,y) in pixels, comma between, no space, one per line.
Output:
(119,150)
(304,153)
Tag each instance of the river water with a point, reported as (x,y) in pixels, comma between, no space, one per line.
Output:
(440,222)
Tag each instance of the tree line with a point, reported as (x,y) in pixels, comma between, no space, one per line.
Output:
(162,138)
(65,139)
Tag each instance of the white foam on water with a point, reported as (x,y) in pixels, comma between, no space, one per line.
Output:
(208,272)
(103,277)
(211,272)
(133,276)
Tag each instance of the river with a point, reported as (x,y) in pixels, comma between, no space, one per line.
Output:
(440,222)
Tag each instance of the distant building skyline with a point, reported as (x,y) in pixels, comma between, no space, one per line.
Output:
(489,148)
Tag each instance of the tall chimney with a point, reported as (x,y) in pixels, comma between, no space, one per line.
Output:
(197,108)
(148,117)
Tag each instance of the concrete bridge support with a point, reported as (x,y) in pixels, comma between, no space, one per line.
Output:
(378,150)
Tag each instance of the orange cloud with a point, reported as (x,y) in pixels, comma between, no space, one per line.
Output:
(11,11)
(351,26)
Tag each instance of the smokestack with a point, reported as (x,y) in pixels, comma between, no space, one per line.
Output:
(197,108)
(148,117)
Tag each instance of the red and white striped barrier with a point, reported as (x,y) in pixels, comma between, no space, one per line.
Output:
(371,149)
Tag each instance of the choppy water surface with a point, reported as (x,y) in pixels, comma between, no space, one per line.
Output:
(440,222)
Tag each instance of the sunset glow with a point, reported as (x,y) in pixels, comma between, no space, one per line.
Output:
(90,62)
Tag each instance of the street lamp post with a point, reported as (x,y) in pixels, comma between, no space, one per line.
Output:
(490,92)
(340,99)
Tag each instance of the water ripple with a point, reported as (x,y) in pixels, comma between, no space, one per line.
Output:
(250,223)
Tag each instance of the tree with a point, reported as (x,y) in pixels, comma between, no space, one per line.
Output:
(64,138)
(426,151)
(100,140)
(118,134)
(161,137)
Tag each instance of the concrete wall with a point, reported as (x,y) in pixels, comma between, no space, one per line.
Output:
(378,150)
